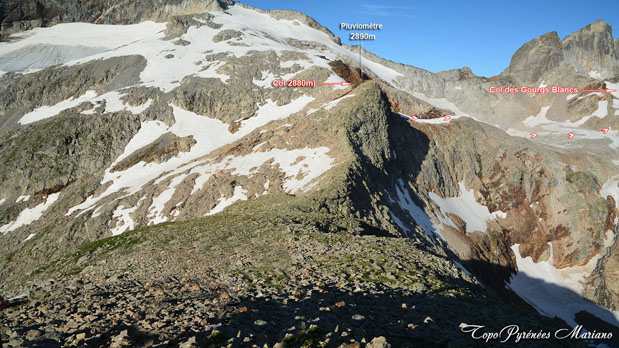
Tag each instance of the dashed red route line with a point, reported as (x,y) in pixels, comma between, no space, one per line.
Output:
(532,135)
(415,118)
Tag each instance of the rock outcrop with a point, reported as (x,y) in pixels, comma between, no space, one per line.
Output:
(590,50)
(536,58)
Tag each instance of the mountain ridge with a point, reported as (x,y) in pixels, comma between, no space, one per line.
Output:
(193,140)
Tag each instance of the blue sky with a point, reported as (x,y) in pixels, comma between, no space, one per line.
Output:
(441,35)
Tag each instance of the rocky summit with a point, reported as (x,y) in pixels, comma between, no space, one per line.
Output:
(159,188)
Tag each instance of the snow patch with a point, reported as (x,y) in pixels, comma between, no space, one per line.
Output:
(301,166)
(556,292)
(611,188)
(125,222)
(311,111)
(239,194)
(330,105)
(45,112)
(421,218)
(25,198)
(466,207)
(113,103)
(271,112)
(538,119)
(602,110)
(29,215)
(333,78)
(460,267)
(149,132)
(400,223)
(615,86)
(441,103)
(499,214)
(30,236)
(594,74)
(155,210)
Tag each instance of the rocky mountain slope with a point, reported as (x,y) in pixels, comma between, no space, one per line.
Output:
(262,272)
(166,114)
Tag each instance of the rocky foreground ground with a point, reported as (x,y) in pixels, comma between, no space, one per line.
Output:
(242,279)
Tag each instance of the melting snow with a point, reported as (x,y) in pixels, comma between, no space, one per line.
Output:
(28,216)
(30,236)
(556,292)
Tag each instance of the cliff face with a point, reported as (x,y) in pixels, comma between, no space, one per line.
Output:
(590,50)
(536,58)
(124,127)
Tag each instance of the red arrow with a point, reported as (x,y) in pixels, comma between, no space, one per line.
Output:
(335,83)
(599,90)
(533,135)
(605,130)
(446,118)
(570,135)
